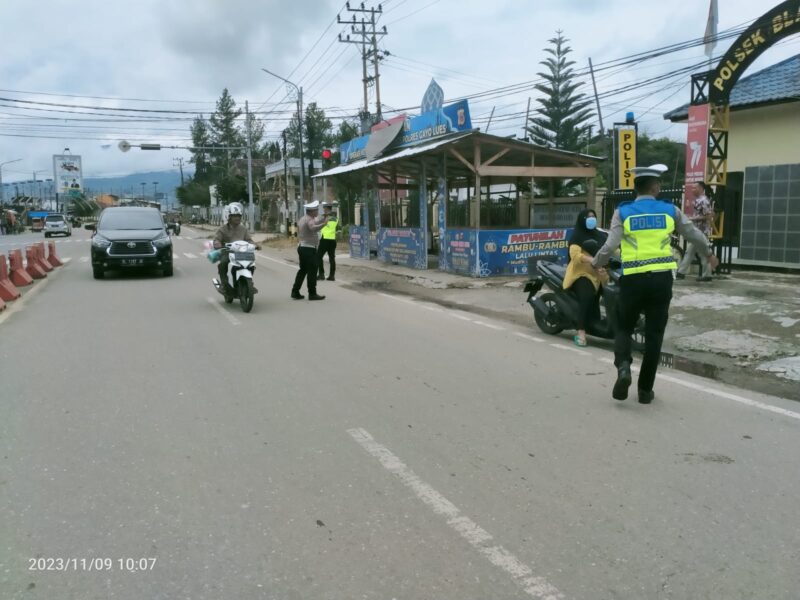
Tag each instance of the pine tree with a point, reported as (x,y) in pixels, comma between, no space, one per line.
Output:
(562,115)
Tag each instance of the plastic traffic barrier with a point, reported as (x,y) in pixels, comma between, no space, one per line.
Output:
(19,276)
(8,291)
(52,258)
(33,268)
(40,256)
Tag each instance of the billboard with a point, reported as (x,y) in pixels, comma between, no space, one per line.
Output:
(67,174)
(696,150)
(624,155)
(507,252)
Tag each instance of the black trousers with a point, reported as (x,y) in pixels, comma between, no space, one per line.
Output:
(326,247)
(587,301)
(308,268)
(648,293)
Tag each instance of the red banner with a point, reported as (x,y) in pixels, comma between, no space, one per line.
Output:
(696,150)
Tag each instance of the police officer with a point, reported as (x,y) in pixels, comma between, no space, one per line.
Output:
(641,229)
(327,243)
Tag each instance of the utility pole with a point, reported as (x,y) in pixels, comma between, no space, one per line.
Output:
(286,184)
(179,164)
(252,211)
(369,34)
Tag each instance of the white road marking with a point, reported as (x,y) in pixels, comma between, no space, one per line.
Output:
(176,256)
(458,316)
(568,348)
(84,259)
(189,255)
(489,325)
(525,336)
(280,262)
(476,536)
(716,392)
(397,298)
(233,320)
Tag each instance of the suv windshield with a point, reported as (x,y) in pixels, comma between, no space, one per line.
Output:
(54,218)
(131,220)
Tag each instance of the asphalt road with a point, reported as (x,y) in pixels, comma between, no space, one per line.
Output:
(157,443)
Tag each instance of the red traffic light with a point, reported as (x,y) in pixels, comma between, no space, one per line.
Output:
(326,153)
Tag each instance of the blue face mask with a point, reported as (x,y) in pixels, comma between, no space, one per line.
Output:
(591,222)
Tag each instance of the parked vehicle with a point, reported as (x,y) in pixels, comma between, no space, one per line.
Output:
(241,265)
(55,224)
(37,224)
(557,309)
(127,237)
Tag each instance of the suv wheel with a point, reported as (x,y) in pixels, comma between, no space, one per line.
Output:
(98,273)
(167,271)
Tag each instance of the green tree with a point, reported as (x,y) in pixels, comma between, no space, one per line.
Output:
(561,120)
(649,151)
(348,186)
(317,134)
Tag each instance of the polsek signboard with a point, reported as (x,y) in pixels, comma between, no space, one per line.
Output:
(67,174)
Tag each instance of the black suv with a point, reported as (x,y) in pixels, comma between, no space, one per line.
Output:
(127,237)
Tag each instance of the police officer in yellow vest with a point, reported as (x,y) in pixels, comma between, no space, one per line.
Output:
(327,243)
(641,229)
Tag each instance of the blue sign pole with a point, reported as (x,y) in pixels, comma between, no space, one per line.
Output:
(422,252)
(443,215)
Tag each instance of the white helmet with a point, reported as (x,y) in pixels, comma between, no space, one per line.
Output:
(234,208)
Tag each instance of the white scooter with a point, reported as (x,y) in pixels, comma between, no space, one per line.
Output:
(241,264)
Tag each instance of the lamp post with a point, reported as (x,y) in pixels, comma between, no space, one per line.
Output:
(143,184)
(2,190)
(300,127)
(155,187)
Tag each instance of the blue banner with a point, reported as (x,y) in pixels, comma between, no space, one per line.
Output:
(359,242)
(507,252)
(353,150)
(454,117)
(460,246)
(403,246)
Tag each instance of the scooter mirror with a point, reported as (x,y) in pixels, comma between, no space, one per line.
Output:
(590,246)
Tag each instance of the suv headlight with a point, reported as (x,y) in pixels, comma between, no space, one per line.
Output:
(98,241)
(162,242)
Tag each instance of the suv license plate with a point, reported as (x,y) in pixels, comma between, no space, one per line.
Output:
(129,262)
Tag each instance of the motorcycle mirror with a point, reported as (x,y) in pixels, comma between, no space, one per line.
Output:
(590,246)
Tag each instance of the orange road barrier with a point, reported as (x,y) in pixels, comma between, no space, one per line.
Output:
(41,258)
(51,255)
(33,268)
(19,276)
(8,291)
(2,305)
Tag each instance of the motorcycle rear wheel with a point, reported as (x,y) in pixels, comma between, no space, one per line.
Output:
(549,322)
(246,294)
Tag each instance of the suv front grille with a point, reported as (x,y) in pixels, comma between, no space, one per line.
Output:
(139,248)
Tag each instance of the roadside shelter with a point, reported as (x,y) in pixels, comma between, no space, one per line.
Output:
(483,204)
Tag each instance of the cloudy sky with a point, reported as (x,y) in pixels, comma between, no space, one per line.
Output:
(85,58)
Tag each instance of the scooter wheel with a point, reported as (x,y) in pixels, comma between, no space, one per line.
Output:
(228,298)
(246,294)
(548,322)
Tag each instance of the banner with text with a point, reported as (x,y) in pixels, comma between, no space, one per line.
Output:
(460,247)
(67,174)
(696,150)
(403,246)
(507,252)
(359,242)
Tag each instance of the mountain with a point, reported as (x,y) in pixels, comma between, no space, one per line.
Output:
(130,186)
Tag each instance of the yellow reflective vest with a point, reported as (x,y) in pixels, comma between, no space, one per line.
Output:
(329,231)
(647,225)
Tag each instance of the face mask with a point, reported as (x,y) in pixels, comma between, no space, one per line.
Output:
(591,222)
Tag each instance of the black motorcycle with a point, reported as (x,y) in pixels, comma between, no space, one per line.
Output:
(557,310)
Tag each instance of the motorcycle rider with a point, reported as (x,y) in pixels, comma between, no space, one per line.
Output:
(232,231)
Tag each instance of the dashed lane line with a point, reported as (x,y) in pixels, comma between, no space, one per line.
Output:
(477,537)
(231,319)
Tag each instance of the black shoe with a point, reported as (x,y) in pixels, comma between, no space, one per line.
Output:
(680,276)
(255,290)
(320,276)
(331,279)
(297,296)
(646,397)
(704,279)
(315,297)
(623,382)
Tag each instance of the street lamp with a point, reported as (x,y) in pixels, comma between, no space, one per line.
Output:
(300,126)
(2,190)
(155,187)
(143,184)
